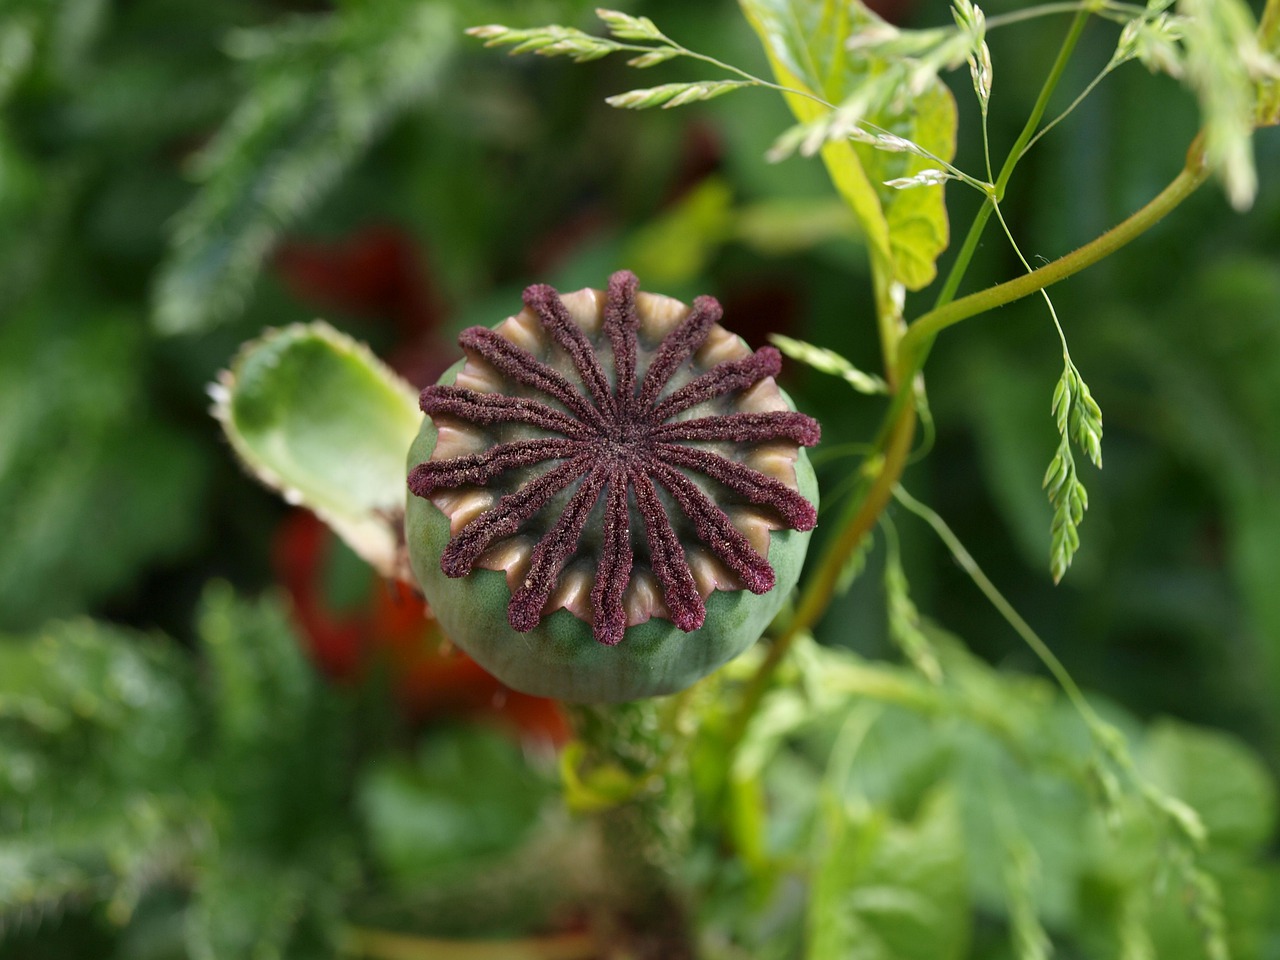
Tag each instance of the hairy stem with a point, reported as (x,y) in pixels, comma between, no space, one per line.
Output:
(645,836)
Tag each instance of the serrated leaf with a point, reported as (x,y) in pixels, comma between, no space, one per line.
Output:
(315,416)
(806,44)
(886,890)
(260,679)
(230,919)
(918,228)
(98,728)
(278,764)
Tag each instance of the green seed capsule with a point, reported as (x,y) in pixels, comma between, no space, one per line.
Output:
(609,496)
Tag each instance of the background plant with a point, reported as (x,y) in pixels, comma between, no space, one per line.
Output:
(924,802)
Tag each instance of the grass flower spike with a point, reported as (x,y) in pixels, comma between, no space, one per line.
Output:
(609,495)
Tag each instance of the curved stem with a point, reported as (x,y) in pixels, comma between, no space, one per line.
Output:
(1006,609)
(907,356)
(896,436)
(1116,10)
(900,422)
(821,586)
(758,81)
(921,333)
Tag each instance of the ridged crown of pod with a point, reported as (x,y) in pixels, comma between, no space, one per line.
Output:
(610,497)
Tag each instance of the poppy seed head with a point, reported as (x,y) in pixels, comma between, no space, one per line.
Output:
(619,455)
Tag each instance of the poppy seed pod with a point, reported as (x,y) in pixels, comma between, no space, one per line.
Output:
(609,496)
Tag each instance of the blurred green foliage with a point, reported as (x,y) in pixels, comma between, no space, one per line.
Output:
(177,780)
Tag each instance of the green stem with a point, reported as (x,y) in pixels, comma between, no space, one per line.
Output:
(920,334)
(1042,101)
(900,422)
(645,837)
(821,586)
(896,436)
(1002,606)
(961,264)
(1120,12)
(889,323)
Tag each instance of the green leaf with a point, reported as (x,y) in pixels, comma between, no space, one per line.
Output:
(284,912)
(279,740)
(278,775)
(890,890)
(468,799)
(806,43)
(95,485)
(917,218)
(904,618)
(783,226)
(675,247)
(318,418)
(261,681)
(1219,777)
(1267,111)
(97,733)
(322,89)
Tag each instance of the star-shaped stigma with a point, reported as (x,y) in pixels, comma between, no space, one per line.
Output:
(631,440)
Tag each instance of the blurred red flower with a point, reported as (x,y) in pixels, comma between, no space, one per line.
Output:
(391,629)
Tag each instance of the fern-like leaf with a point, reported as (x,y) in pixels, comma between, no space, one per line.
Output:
(320,91)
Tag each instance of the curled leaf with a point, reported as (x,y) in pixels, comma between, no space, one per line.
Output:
(317,418)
